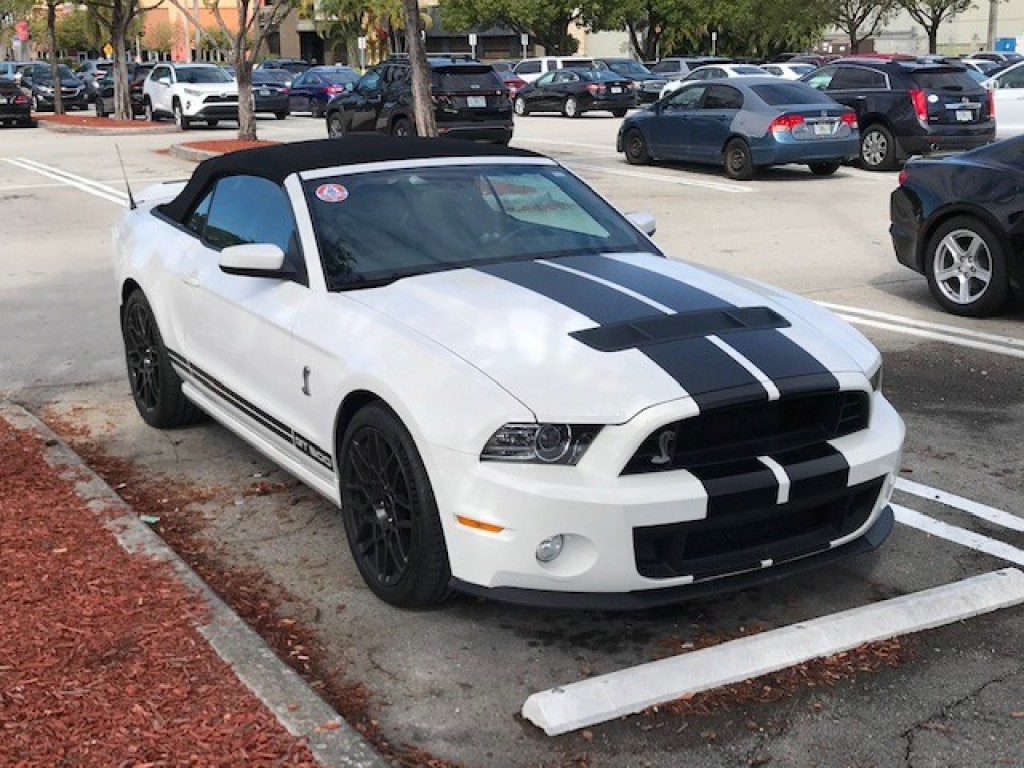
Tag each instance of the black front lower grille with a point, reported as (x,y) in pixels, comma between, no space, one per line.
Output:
(745,540)
(752,429)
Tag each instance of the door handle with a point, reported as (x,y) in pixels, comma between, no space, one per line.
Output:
(191,279)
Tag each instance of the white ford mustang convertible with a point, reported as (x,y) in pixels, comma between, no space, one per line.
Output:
(500,380)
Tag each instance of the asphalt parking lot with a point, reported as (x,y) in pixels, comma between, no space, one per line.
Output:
(452,681)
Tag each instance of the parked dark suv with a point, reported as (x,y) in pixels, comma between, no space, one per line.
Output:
(908,107)
(471,102)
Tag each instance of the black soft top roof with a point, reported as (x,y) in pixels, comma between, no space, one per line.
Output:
(280,161)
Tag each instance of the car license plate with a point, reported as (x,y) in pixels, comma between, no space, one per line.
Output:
(823,129)
(615,89)
(264,92)
(964,115)
(476,102)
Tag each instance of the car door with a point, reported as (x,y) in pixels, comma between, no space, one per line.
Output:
(302,89)
(541,95)
(160,89)
(711,125)
(1008,95)
(237,328)
(669,135)
(363,104)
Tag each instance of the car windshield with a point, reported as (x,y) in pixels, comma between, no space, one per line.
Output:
(376,227)
(776,94)
(45,73)
(464,78)
(202,75)
(339,75)
(632,68)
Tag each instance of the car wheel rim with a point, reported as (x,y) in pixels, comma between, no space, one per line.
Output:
(962,266)
(378,496)
(570,107)
(875,148)
(737,159)
(143,356)
(635,145)
(520,106)
(335,130)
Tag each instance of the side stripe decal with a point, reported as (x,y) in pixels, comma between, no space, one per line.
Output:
(214,387)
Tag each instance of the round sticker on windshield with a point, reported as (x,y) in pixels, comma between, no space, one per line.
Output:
(331,193)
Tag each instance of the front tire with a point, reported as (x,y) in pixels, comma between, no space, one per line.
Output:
(965,263)
(390,515)
(316,109)
(100,108)
(281,115)
(182,122)
(619,112)
(335,126)
(155,386)
(147,111)
(635,147)
(736,160)
(877,148)
(571,107)
(521,107)
(824,168)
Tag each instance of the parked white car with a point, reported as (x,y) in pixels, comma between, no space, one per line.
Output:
(189,93)
(500,380)
(713,72)
(788,70)
(1007,89)
(530,69)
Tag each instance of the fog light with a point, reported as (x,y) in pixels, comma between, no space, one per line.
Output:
(550,548)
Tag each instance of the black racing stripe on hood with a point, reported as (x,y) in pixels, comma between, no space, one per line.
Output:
(791,367)
(778,356)
(674,294)
(709,375)
(813,471)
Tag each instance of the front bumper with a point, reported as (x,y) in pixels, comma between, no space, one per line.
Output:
(905,228)
(497,133)
(77,101)
(617,528)
(214,112)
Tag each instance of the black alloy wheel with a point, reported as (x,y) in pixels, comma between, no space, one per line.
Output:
(155,386)
(402,127)
(390,515)
(737,161)
(635,147)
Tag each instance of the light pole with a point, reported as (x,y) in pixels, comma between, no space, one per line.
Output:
(993,19)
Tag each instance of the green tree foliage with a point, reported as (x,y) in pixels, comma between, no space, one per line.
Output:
(340,23)
(930,14)
(546,21)
(78,31)
(860,19)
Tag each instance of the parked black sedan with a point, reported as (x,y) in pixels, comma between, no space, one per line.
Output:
(573,91)
(14,106)
(270,91)
(959,220)
(37,79)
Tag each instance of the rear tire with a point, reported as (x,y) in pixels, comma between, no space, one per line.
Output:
(155,386)
(281,115)
(736,160)
(316,109)
(823,169)
(965,263)
(521,107)
(100,109)
(619,112)
(389,511)
(877,148)
(335,126)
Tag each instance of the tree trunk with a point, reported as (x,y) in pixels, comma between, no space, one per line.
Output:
(119,22)
(423,106)
(51,29)
(246,114)
(933,39)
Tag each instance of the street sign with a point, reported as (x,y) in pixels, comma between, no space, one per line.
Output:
(360,42)
(472,39)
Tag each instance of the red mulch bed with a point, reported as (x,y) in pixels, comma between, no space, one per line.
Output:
(223,146)
(89,120)
(101,664)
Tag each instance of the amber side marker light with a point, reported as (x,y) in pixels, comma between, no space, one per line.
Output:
(478,525)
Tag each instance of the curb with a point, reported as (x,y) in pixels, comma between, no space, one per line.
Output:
(295,705)
(185,152)
(112,130)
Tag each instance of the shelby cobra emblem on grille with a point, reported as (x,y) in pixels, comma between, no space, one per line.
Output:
(665,442)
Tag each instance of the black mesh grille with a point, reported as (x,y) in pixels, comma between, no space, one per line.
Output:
(751,429)
(744,540)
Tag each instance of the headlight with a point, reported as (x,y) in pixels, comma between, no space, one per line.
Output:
(540,443)
(45,89)
(875,379)
(193,92)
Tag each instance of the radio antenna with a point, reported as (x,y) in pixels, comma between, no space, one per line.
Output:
(131,200)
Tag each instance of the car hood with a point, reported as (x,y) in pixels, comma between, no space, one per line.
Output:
(598,339)
(228,87)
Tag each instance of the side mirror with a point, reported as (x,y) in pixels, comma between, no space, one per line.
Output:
(165,79)
(254,260)
(643,221)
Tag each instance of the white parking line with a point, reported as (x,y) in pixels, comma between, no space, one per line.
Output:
(718,186)
(599,699)
(961,536)
(1007,346)
(601,148)
(982,511)
(102,191)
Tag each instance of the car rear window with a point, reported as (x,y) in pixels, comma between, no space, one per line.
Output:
(464,78)
(943,80)
(748,70)
(789,93)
